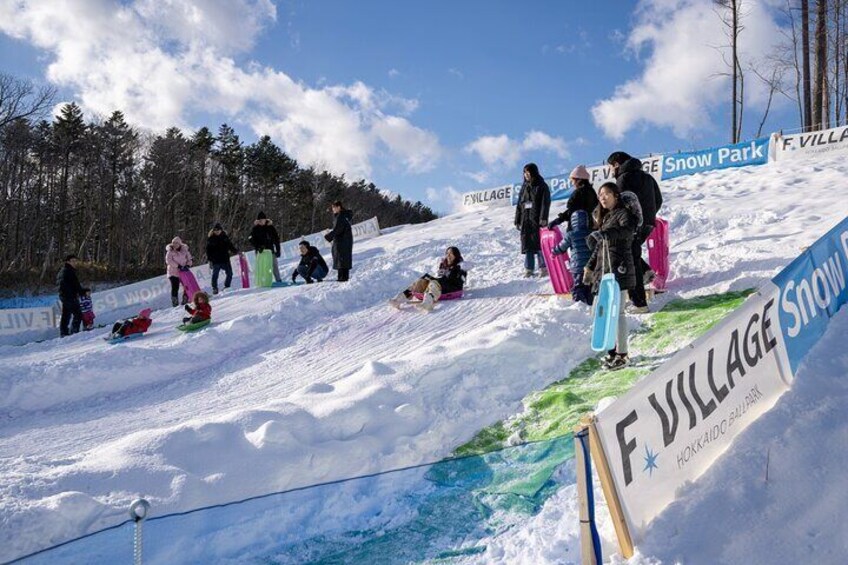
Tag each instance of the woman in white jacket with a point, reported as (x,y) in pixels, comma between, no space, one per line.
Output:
(177,257)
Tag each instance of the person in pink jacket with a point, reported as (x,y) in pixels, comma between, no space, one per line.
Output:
(176,256)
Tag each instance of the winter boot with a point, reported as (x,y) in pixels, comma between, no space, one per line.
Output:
(621,360)
(428,303)
(175,301)
(609,358)
(214,291)
(543,272)
(528,273)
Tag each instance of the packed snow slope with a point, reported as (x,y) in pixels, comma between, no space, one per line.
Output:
(302,385)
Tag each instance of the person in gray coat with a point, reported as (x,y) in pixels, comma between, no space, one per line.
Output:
(531,213)
(342,238)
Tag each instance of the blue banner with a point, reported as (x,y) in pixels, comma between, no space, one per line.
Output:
(740,155)
(812,289)
(560,185)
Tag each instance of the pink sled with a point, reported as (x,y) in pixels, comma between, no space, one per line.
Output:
(446,296)
(658,245)
(561,278)
(189,283)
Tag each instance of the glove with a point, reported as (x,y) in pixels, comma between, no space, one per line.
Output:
(183,268)
(645,231)
(554,224)
(556,251)
(328,237)
(588,275)
(543,223)
(277,254)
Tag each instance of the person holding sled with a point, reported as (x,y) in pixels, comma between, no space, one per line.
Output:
(263,236)
(578,219)
(531,213)
(218,249)
(200,310)
(135,325)
(177,257)
(70,291)
(616,220)
(312,266)
(342,238)
(450,278)
(630,177)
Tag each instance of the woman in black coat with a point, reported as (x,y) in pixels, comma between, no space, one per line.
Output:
(531,213)
(342,237)
(218,249)
(616,220)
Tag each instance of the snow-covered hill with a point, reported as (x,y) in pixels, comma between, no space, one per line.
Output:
(297,386)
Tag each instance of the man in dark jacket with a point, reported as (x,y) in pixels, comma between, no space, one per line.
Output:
(312,264)
(342,237)
(70,290)
(264,236)
(531,213)
(218,249)
(629,176)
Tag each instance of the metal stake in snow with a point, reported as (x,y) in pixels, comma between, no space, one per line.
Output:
(138,511)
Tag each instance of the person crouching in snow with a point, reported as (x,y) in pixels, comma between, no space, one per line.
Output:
(450,278)
(87,309)
(201,311)
(312,265)
(616,220)
(135,325)
(578,215)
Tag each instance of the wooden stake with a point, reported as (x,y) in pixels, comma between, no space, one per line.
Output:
(587,547)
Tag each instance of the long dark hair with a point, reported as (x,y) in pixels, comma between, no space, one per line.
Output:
(600,211)
(456,253)
(533,169)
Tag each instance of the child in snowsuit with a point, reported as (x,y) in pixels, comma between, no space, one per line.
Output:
(87,309)
(578,215)
(451,278)
(201,311)
(135,325)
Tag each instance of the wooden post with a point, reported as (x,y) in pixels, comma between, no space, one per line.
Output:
(625,542)
(587,547)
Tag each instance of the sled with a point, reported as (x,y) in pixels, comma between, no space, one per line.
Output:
(264,269)
(189,283)
(122,339)
(285,284)
(561,278)
(456,295)
(605,314)
(245,271)
(195,326)
(657,243)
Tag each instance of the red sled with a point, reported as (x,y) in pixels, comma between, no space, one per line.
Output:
(446,296)
(245,271)
(657,243)
(189,283)
(561,278)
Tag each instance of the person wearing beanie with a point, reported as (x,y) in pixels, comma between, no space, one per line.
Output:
(263,236)
(70,291)
(531,213)
(578,219)
(312,264)
(218,249)
(177,257)
(629,177)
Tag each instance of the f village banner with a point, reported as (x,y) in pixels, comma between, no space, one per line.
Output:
(671,426)
(802,145)
(17,320)
(498,196)
(739,155)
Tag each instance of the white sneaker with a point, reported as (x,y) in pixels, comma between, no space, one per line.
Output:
(428,303)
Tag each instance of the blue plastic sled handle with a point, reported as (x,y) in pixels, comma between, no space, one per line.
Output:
(605,314)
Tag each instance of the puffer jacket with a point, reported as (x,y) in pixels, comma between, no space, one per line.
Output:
(616,233)
(575,240)
(218,248)
(176,255)
(263,236)
(451,277)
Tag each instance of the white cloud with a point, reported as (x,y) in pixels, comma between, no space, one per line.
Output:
(159,60)
(393,73)
(457,73)
(503,151)
(479,177)
(444,200)
(681,81)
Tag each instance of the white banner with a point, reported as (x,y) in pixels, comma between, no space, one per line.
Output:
(801,145)
(362,230)
(672,425)
(498,196)
(603,173)
(25,319)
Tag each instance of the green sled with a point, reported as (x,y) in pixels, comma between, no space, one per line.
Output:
(264,268)
(193,327)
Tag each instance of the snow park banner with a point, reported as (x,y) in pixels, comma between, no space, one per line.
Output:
(498,196)
(802,145)
(739,155)
(812,289)
(670,427)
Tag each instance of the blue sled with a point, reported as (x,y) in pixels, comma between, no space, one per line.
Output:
(115,340)
(605,314)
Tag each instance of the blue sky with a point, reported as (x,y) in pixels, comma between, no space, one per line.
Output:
(424,99)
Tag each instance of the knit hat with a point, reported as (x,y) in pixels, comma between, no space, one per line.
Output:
(261,216)
(579,172)
(145,313)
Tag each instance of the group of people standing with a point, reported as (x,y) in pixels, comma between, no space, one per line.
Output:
(604,234)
